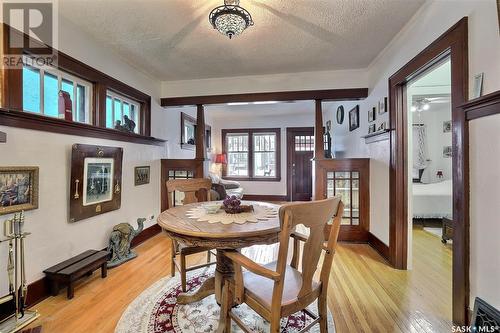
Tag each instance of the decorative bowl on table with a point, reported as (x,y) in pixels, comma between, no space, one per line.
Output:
(212,208)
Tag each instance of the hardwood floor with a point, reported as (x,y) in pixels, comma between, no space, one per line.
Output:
(366,295)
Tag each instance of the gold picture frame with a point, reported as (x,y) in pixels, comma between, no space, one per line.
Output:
(142,175)
(18,189)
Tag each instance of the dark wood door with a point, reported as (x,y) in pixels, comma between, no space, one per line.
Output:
(300,144)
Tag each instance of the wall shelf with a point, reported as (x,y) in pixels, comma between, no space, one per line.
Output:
(377,136)
(37,122)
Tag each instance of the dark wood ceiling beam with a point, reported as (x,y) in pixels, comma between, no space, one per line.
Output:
(281,96)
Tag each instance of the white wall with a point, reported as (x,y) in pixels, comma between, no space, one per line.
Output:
(53,238)
(235,120)
(267,83)
(484,143)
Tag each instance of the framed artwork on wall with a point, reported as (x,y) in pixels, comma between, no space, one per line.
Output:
(354,118)
(382,106)
(96,175)
(371,129)
(478,85)
(371,115)
(447,126)
(18,189)
(141,175)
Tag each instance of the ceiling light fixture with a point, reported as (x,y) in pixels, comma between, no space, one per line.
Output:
(420,105)
(230,19)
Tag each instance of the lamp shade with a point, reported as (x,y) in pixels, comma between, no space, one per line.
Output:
(221,159)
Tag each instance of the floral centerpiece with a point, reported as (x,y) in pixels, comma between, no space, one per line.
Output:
(232,205)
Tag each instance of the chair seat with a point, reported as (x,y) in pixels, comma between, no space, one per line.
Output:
(261,288)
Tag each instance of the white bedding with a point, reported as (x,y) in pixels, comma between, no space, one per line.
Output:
(433,200)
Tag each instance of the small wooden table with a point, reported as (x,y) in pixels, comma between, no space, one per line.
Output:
(216,236)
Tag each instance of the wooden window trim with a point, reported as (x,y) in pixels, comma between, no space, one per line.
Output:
(250,132)
(12,100)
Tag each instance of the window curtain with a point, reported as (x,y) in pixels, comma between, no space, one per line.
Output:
(420,152)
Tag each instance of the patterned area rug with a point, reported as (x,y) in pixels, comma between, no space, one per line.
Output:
(156,310)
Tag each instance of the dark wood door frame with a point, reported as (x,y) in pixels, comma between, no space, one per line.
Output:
(289,151)
(453,43)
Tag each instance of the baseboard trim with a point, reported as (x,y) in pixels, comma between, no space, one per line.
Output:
(146,234)
(40,289)
(264,197)
(378,245)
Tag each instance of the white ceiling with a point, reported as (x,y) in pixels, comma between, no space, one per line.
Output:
(173,40)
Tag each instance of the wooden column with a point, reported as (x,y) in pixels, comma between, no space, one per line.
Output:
(319,152)
(319,149)
(200,133)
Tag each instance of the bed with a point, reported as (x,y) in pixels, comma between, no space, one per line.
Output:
(432,201)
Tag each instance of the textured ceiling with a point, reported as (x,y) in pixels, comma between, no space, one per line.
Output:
(173,40)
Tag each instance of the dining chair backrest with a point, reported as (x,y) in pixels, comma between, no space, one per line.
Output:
(194,189)
(314,215)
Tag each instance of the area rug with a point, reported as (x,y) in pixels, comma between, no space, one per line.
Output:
(156,310)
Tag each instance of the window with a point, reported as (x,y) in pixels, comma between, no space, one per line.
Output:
(264,155)
(41,93)
(237,155)
(345,184)
(117,107)
(252,154)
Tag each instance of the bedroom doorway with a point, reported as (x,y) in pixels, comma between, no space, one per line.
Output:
(430,187)
(452,45)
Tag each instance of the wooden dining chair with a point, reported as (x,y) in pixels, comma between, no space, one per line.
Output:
(195,190)
(279,289)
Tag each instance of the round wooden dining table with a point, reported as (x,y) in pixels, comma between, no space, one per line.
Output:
(191,232)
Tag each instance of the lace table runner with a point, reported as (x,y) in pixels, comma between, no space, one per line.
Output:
(260,213)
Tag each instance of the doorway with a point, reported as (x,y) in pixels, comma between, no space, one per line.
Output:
(453,44)
(300,151)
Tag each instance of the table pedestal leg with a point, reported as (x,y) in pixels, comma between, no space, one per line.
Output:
(224,270)
(207,288)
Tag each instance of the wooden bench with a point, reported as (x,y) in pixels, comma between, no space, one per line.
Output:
(68,271)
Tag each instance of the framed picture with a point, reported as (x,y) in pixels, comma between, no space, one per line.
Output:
(371,115)
(382,106)
(354,118)
(96,174)
(340,114)
(447,151)
(371,129)
(18,189)
(141,175)
(447,126)
(478,85)
(382,126)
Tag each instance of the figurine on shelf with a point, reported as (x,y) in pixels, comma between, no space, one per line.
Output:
(129,125)
(118,125)
(120,240)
